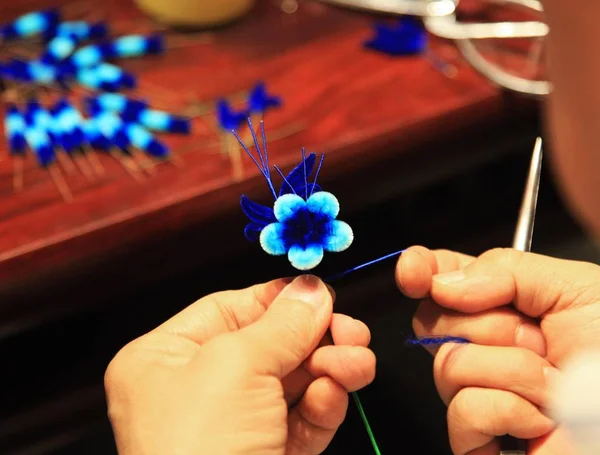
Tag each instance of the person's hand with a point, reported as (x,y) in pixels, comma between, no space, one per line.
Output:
(525,315)
(240,372)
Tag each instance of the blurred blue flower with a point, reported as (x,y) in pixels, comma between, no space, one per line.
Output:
(227,117)
(259,101)
(406,37)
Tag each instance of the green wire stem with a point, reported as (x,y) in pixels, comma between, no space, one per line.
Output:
(363,416)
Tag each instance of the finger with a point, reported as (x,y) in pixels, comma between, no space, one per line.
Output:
(291,328)
(535,284)
(502,326)
(223,312)
(476,416)
(313,423)
(348,332)
(515,370)
(353,367)
(417,265)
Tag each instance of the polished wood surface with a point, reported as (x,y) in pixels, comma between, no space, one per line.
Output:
(357,106)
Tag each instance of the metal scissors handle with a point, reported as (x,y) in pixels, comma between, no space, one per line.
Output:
(464,34)
(440,20)
(423,8)
(522,242)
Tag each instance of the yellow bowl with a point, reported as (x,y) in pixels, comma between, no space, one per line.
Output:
(195,13)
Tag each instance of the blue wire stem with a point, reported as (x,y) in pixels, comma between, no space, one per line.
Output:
(355,396)
(336,277)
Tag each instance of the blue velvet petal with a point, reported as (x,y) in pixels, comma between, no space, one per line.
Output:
(252,231)
(287,205)
(228,118)
(324,204)
(339,236)
(407,38)
(260,101)
(272,239)
(256,212)
(305,259)
(296,177)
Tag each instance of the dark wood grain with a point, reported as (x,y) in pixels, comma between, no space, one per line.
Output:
(358,107)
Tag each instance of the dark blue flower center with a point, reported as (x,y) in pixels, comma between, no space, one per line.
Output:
(305,228)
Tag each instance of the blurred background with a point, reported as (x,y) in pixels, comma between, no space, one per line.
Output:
(422,148)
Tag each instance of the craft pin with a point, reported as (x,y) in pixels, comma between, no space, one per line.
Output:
(258,103)
(445,68)
(14,128)
(128,164)
(71,137)
(234,151)
(41,145)
(228,120)
(78,122)
(42,118)
(60,183)
(99,141)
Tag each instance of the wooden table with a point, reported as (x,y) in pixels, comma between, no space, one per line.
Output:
(361,108)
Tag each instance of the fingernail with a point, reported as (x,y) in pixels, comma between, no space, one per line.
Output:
(306,288)
(530,337)
(450,277)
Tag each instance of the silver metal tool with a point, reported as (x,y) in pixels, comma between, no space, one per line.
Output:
(439,18)
(522,242)
(524,230)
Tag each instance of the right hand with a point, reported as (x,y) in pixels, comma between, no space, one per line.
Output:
(525,315)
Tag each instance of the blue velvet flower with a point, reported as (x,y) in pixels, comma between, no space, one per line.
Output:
(305,229)
(227,117)
(259,100)
(302,223)
(407,37)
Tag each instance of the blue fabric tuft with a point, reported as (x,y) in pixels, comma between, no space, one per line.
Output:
(273,239)
(324,204)
(287,206)
(259,101)
(407,37)
(228,118)
(339,236)
(252,231)
(295,181)
(259,214)
(305,257)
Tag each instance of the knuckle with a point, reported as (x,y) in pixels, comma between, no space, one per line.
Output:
(116,376)
(507,409)
(445,360)
(363,372)
(503,256)
(460,410)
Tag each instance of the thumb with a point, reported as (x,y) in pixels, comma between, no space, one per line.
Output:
(291,328)
(533,283)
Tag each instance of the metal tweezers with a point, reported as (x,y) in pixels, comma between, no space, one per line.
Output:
(522,242)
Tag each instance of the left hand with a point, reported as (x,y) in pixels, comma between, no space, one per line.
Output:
(240,372)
